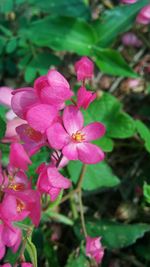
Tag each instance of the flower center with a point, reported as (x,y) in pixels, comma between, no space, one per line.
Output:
(20,206)
(78,136)
(17,186)
(34,135)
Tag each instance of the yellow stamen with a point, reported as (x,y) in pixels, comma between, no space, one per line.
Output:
(78,136)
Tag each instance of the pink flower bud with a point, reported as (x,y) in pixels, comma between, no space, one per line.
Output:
(84,98)
(84,69)
(144,15)
(130,39)
(128,1)
(94,248)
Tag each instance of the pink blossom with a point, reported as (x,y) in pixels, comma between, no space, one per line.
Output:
(6,265)
(53,89)
(94,248)
(74,139)
(50,181)
(26,264)
(84,69)
(33,140)
(84,98)
(5,96)
(55,157)
(11,134)
(144,15)
(128,1)
(18,157)
(130,39)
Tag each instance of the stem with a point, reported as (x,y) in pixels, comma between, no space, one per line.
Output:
(82,213)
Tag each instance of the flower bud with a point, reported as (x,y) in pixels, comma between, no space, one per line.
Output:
(128,1)
(84,69)
(130,39)
(144,15)
(94,248)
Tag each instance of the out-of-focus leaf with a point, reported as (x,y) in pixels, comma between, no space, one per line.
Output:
(108,110)
(6,6)
(116,21)
(71,8)
(114,235)
(96,176)
(2,127)
(60,218)
(31,249)
(111,62)
(2,44)
(146,192)
(77,259)
(11,45)
(62,33)
(144,133)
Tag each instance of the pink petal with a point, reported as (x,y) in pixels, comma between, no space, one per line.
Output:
(89,153)
(70,151)
(54,193)
(72,119)
(85,97)
(18,157)
(10,236)
(2,246)
(5,96)
(11,134)
(41,116)
(93,131)
(84,68)
(26,264)
(22,100)
(57,136)
(40,83)
(55,79)
(56,179)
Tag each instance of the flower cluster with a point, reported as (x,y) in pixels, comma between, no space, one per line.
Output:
(39,117)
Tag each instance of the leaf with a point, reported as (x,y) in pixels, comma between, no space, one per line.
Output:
(108,110)
(71,8)
(11,46)
(116,21)
(114,235)
(105,143)
(146,192)
(31,249)
(60,218)
(62,33)
(2,127)
(96,176)
(30,74)
(77,259)
(144,133)
(111,62)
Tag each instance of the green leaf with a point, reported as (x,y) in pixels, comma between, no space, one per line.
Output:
(6,6)
(2,127)
(105,143)
(111,62)
(62,33)
(114,235)
(30,74)
(144,133)
(11,46)
(60,218)
(77,259)
(71,8)
(96,176)
(31,249)
(116,21)
(108,110)
(146,192)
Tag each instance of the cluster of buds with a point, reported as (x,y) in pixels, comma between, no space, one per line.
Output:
(44,119)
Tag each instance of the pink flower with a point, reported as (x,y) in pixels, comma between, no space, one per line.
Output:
(94,248)
(50,181)
(18,157)
(128,1)
(33,140)
(130,39)
(84,69)
(74,139)
(144,15)
(6,265)
(11,134)
(5,96)
(53,89)
(26,264)
(55,157)
(85,98)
